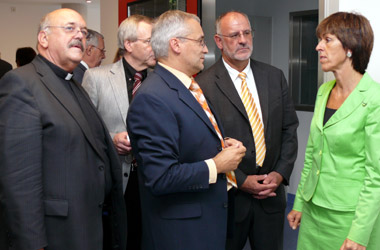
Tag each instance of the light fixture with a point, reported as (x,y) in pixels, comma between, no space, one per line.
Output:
(88,1)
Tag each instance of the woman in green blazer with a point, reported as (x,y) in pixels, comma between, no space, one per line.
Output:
(338,196)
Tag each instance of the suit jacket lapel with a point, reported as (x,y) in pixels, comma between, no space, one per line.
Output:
(262,85)
(52,83)
(225,84)
(118,82)
(184,94)
(353,101)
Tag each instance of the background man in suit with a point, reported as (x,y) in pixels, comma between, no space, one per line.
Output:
(59,170)
(111,88)
(270,139)
(4,67)
(178,145)
(93,55)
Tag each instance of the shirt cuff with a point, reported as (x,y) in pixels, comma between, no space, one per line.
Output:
(213,174)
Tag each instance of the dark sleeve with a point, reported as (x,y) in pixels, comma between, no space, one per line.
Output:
(289,142)
(154,133)
(21,187)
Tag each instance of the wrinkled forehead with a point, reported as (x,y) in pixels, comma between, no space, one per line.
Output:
(65,17)
(235,22)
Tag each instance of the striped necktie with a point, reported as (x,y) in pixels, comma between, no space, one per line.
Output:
(254,120)
(136,85)
(198,94)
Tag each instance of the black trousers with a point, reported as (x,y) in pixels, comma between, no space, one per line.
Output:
(264,230)
(132,202)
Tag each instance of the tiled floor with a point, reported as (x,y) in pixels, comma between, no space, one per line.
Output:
(290,236)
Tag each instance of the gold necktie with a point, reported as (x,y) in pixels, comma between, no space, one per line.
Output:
(198,94)
(254,120)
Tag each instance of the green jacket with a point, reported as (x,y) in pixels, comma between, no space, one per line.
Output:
(342,159)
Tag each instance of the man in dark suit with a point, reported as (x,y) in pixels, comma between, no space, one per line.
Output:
(4,67)
(93,55)
(59,172)
(178,145)
(253,102)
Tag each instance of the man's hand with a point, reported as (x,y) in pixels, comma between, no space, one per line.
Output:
(294,219)
(122,143)
(262,186)
(230,157)
(351,245)
(228,142)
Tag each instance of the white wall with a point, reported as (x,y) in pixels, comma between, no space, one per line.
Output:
(369,9)
(19,27)
(109,18)
(20,24)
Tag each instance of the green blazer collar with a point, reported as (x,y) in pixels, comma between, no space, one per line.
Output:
(353,101)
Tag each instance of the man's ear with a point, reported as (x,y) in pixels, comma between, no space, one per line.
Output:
(128,46)
(43,39)
(218,41)
(88,50)
(175,45)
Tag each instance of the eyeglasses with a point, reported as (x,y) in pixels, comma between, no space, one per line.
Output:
(236,35)
(71,29)
(201,41)
(103,51)
(147,41)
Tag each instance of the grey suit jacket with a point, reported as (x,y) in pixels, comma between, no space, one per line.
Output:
(52,172)
(280,125)
(107,88)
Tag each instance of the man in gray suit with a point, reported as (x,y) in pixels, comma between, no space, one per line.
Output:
(111,89)
(59,172)
(254,105)
(93,55)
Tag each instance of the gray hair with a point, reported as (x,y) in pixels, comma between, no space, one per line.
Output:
(44,23)
(93,37)
(170,24)
(128,29)
(219,19)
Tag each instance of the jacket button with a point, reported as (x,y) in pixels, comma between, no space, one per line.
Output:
(101,168)
(125,174)
(220,148)
(225,205)
(101,204)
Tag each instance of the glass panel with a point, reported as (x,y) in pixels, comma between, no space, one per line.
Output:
(154,8)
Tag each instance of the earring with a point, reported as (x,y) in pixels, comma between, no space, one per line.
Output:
(349,54)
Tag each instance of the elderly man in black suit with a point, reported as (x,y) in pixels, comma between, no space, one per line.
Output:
(59,172)
(253,102)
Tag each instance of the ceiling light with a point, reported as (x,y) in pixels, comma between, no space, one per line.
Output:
(88,1)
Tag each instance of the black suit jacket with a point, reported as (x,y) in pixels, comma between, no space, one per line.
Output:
(78,73)
(52,173)
(280,125)
(4,67)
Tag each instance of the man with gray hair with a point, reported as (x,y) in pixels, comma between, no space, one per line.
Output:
(183,161)
(59,172)
(93,55)
(111,89)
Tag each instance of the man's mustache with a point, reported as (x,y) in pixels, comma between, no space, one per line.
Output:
(77,43)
